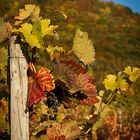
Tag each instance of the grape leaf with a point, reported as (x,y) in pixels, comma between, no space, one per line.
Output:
(89,101)
(34,33)
(110,82)
(134,73)
(121,82)
(42,28)
(46,28)
(54,52)
(83,47)
(66,75)
(68,71)
(89,90)
(31,11)
(45,79)
(5,30)
(78,81)
(35,93)
(31,39)
(54,133)
(70,130)
(75,67)
(37,85)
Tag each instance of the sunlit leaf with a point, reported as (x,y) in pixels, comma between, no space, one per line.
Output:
(37,85)
(134,73)
(31,11)
(54,52)
(37,32)
(83,47)
(31,39)
(45,79)
(46,28)
(121,83)
(110,82)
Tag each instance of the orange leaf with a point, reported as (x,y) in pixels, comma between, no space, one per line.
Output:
(38,83)
(45,79)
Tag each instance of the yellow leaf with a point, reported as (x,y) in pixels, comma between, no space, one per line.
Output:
(29,11)
(54,52)
(110,82)
(83,47)
(134,73)
(128,70)
(123,85)
(31,39)
(46,28)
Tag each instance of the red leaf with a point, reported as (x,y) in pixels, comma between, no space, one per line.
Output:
(37,85)
(89,101)
(35,93)
(73,66)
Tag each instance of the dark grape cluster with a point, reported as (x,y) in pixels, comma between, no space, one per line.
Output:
(53,104)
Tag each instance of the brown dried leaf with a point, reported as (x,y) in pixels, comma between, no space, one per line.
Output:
(5,30)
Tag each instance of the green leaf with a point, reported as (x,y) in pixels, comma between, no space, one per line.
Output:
(37,31)
(90,70)
(83,47)
(134,73)
(31,39)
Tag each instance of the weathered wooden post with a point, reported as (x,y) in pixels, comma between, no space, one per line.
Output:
(18,89)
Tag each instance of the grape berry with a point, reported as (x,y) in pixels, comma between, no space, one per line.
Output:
(53,104)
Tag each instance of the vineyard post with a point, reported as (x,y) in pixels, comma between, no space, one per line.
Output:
(18,92)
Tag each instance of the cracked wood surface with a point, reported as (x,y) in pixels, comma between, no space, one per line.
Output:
(18,93)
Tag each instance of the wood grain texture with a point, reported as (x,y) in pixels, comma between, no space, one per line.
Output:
(18,90)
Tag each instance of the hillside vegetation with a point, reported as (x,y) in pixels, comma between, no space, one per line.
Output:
(114,30)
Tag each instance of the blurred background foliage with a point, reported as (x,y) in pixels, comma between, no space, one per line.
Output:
(114,30)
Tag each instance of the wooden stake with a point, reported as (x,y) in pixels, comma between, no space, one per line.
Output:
(18,89)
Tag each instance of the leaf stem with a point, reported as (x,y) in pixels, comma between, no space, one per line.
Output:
(109,100)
